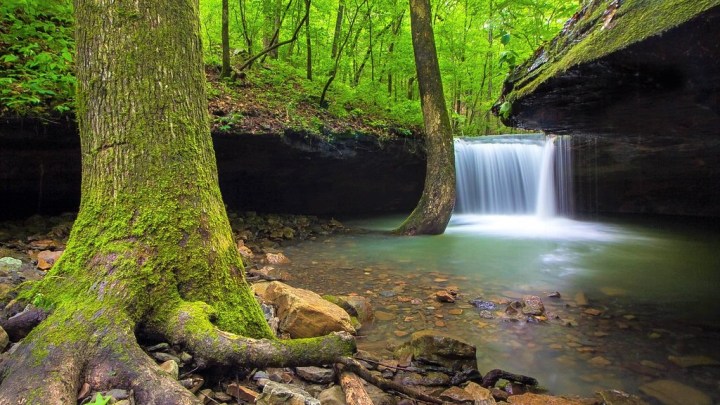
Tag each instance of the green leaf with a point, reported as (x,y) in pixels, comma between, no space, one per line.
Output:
(9,58)
(505,39)
(505,109)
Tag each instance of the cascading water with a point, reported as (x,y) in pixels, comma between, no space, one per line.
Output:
(513,175)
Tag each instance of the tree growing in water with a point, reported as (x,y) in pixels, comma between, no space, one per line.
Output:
(433,211)
(151,250)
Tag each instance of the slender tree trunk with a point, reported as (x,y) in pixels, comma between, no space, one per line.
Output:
(338,28)
(436,204)
(151,250)
(245,29)
(308,42)
(225,72)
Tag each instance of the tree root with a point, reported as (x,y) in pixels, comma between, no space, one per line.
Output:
(192,329)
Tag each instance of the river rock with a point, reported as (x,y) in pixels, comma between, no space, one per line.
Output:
(617,397)
(429,379)
(276,258)
(444,296)
(283,394)
(670,392)
(693,361)
(4,339)
(355,305)
(172,368)
(439,348)
(456,394)
(532,305)
(47,258)
(10,264)
(317,375)
(303,313)
(236,390)
(480,394)
(332,396)
(537,399)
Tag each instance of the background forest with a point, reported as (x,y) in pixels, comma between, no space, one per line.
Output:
(337,60)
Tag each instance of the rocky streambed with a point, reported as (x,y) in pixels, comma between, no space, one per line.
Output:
(424,361)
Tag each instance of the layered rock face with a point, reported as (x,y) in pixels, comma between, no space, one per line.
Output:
(638,85)
(293,173)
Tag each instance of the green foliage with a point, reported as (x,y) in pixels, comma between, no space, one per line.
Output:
(100,400)
(375,83)
(36,68)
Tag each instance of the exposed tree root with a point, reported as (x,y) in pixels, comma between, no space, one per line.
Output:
(189,326)
(106,355)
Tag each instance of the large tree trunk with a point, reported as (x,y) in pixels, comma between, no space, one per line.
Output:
(151,249)
(436,204)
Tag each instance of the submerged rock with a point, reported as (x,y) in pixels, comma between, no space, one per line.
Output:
(439,348)
(670,392)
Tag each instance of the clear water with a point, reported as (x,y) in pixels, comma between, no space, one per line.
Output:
(655,283)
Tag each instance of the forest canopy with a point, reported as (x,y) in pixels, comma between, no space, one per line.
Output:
(364,45)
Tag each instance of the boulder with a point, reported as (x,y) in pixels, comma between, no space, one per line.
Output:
(283,394)
(303,313)
(439,348)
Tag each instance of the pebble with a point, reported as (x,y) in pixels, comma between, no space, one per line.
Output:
(693,361)
(599,361)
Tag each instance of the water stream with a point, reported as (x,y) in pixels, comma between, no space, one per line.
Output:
(651,284)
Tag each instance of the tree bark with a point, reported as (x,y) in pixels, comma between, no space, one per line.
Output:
(338,29)
(226,70)
(436,204)
(308,42)
(151,249)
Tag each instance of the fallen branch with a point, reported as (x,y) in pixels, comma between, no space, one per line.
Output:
(352,386)
(492,377)
(384,384)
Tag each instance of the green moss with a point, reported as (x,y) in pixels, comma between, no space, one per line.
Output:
(634,21)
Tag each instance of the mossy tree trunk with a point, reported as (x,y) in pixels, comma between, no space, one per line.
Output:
(437,202)
(151,249)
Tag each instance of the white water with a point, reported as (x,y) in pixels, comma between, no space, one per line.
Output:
(510,175)
(519,187)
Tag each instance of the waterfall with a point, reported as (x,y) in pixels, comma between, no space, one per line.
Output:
(513,175)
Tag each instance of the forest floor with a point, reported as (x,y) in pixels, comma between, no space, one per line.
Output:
(267,101)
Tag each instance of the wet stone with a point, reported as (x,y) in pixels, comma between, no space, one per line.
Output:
(483,305)
(317,375)
(532,305)
(456,394)
(432,378)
